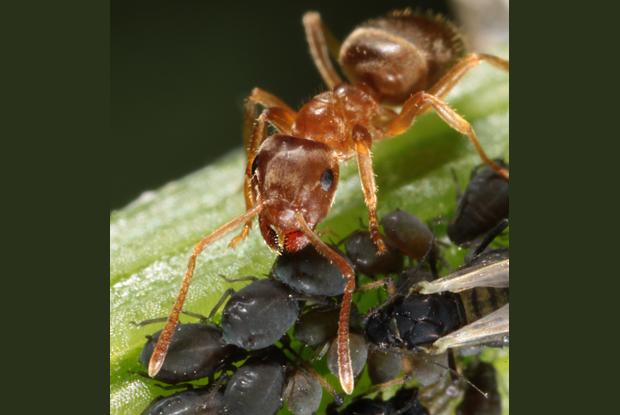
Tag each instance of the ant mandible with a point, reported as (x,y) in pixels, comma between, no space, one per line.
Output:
(404,59)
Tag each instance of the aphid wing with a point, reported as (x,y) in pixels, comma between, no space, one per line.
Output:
(494,275)
(492,327)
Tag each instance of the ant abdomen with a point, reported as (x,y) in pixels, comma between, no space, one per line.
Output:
(400,54)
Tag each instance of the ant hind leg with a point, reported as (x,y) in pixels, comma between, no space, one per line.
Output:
(416,105)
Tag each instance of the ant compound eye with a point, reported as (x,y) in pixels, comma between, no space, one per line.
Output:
(254,165)
(327,179)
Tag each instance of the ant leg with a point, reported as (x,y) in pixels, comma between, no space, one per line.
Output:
(363,141)
(161,348)
(345,369)
(416,104)
(277,113)
(321,42)
(447,82)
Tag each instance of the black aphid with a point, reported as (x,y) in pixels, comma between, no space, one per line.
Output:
(256,388)
(197,350)
(258,315)
(365,258)
(309,273)
(483,205)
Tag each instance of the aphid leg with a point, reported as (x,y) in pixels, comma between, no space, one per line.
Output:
(277,113)
(321,42)
(454,75)
(416,104)
(345,369)
(363,142)
(161,348)
(147,322)
(219,303)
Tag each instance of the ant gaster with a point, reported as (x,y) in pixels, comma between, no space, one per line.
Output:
(406,59)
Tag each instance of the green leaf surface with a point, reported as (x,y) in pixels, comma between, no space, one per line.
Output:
(151,238)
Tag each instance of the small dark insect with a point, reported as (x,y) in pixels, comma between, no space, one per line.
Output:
(318,325)
(303,393)
(197,351)
(403,59)
(365,257)
(483,375)
(405,402)
(259,314)
(256,387)
(483,205)
(408,234)
(308,272)
(384,365)
(203,401)
(465,300)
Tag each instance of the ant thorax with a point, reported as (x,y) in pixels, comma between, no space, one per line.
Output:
(330,117)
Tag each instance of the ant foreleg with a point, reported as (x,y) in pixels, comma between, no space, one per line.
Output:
(321,42)
(362,141)
(161,348)
(415,105)
(345,368)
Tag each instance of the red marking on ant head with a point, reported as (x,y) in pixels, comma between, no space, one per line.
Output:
(292,175)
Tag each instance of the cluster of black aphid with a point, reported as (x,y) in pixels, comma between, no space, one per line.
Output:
(274,332)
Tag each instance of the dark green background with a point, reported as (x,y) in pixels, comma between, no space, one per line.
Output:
(181,69)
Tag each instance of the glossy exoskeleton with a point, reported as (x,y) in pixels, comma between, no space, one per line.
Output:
(190,402)
(415,320)
(384,365)
(408,234)
(318,325)
(483,205)
(303,393)
(404,59)
(197,351)
(483,375)
(207,400)
(428,311)
(309,273)
(256,387)
(365,257)
(259,314)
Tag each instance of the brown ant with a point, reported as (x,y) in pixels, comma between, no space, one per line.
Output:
(404,59)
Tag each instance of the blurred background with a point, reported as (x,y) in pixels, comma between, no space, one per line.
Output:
(180,70)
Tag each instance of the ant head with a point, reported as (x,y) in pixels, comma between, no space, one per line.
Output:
(292,175)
